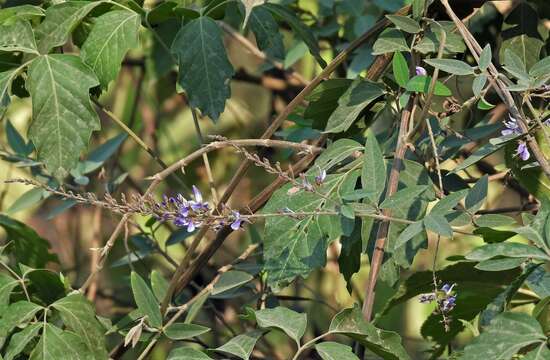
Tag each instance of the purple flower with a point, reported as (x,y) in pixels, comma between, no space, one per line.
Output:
(512,127)
(236,224)
(198,204)
(547,122)
(446,288)
(448,304)
(421,71)
(426,298)
(319,179)
(523,151)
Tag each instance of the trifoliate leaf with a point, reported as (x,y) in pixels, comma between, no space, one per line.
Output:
(61,19)
(204,70)
(113,34)
(63,117)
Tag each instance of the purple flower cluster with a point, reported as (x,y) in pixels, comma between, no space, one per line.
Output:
(194,213)
(512,128)
(445,297)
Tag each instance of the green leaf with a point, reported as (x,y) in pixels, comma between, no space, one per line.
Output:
(418,8)
(16,314)
(373,173)
(330,350)
(539,282)
(26,245)
(16,141)
(494,220)
(292,323)
(20,340)
(500,264)
(356,98)
(182,331)
(438,224)
(390,40)
(18,36)
(159,285)
(498,305)
(514,250)
(28,199)
(295,246)
(97,157)
(478,155)
(400,69)
(58,344)
(490,235)
(196,307)
(540,353)
(421,84)
(541,68)
(403,196)
(112,35)
(242,345)
(249,7)
(405,23)
(478,84)
(299,28)
(145,300)
(6,79)
(231,280)
(20,12)
(204,70)
(7,284)
(504,337)
(324,100)
(337,152)
(477,194)
(447,203)
(485,57)
(61,19)
(431,41)
(79,316)
(63,117)
(515,65)
(410,232)
(451,66)
(349,260)
(267,33)
(526,48)
(187,353)
(386,344)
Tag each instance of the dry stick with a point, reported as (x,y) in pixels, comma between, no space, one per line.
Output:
(159,177)
(382,235)
(183,308)
(96,243)
(500,88)
(261,55)
(267,134)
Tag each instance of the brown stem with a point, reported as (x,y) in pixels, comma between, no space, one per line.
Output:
(382,235)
